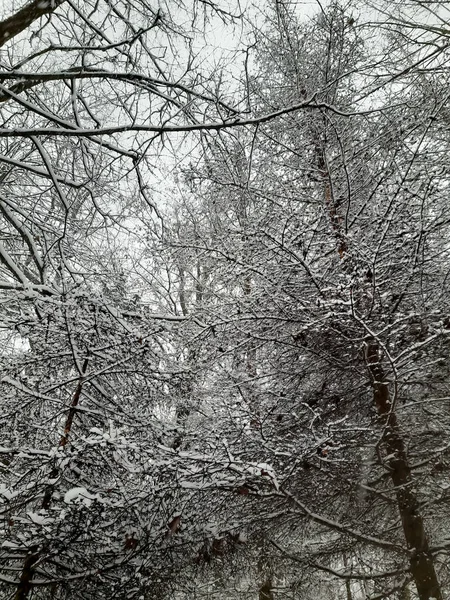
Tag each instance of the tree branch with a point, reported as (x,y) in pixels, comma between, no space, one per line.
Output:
(23,18)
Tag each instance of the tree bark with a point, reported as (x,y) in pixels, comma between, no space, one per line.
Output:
(265,590)
(421,561)
(26,578)
(24,17)
(24,587)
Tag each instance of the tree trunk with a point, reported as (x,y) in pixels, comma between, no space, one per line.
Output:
(348,587)
(421,561)
(24,17)
(265,590)
(25,583)
(24,587)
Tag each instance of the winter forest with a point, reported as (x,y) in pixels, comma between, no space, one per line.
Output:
(224,322)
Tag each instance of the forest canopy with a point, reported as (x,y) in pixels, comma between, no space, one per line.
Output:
(224,300)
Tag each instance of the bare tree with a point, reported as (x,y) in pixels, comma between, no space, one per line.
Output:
(90,490)
(346,314)
(248,386)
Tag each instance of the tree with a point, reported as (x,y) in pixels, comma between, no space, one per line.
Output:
(248,385)
(90,486)
(344,253)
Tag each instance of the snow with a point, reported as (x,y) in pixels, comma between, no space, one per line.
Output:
(5,492)
(8,544)
(242,538)
(39,519)
(79,495)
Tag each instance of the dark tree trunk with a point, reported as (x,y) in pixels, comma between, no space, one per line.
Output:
(24,17)
(265,590)
(421,561)
(24,587)
(26,578)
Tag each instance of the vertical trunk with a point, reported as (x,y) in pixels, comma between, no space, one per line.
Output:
(348,587)
(265,590)
(25,583)
(250,367)
(199,285)
(421,561)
